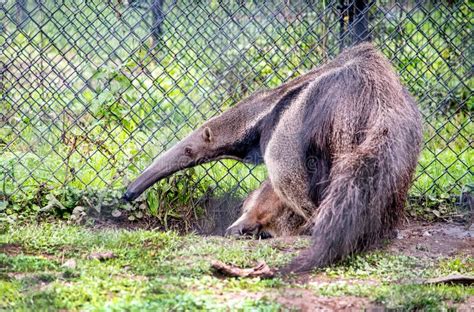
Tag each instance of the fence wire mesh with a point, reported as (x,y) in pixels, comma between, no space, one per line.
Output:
(92,91)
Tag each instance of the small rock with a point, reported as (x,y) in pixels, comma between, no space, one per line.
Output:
(426,233)
(78,210)
(116,213)
(70,264)
(78,213)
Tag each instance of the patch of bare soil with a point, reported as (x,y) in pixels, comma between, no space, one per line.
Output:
(468,305)
(433,240)
(305,300)
(11,249)
(323,279)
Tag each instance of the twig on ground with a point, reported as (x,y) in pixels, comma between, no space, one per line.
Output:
(260,270)
(452,279)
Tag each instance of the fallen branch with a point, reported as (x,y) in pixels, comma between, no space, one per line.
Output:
(452,279)
(260,270)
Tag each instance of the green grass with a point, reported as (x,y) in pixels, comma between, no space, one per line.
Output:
(446,160)
(162,271)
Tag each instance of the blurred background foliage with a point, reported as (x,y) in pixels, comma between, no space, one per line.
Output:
(92,91)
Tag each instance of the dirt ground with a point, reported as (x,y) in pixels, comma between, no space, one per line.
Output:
(434,240)
(421,240)
(428,243)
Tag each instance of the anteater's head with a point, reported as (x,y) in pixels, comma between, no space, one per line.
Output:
(265,215)
(198,147)
(233,135)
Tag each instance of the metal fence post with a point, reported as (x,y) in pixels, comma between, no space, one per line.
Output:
(157,11)
(21,12)
(359,21)
(354,22)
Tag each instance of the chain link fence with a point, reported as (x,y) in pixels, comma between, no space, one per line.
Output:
(91,91)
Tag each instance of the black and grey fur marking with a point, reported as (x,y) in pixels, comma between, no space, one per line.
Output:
(340,144)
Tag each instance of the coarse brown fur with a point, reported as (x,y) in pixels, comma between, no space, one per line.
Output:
(340,144)
(265,215)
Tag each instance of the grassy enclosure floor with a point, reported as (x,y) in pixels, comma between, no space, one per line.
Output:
(58,266)
(88,101)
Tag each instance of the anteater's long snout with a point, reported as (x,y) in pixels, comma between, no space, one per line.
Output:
(130,196)
(164,166)
(149,177)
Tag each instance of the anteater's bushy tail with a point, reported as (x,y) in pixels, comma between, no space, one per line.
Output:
(355,210)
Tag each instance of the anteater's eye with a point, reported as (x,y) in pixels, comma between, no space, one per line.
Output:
(188,151)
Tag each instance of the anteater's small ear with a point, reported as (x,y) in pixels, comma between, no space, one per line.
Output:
(207,134)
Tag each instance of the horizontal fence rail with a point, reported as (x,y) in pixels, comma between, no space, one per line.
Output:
(91,91)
